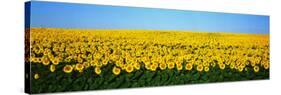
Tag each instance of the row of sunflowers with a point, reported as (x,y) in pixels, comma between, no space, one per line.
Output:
(58,54)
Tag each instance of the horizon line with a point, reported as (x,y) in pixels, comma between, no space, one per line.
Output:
(89,29)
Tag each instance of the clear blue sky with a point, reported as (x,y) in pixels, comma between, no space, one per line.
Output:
(90,16)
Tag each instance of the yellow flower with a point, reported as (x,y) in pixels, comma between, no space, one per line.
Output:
(36,76)
(205,63)
(33,59)
(199,67)
(116,70)
(98,70)
(67,68)
(171,65)
(153,67)
(129,68)
(232,66)
(240,68)
(147,66)
(45,61)
(105,61)
(206,69)
(95,49)
(162,66)
(266,66)
(52,68)
(38,60)
(222,66)
(46,51)
(137,66)
(80,60)
(188,67)
(98,64)
(68,59)
(86,64)
(179,67)
(256,68)
(79,67)
(55,61)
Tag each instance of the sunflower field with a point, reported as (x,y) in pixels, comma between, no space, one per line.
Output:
(72,59)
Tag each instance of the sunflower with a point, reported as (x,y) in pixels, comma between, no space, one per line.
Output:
(67,68)
(153,67)
(36,76)
(200,67)
(137,66)
(232,66)
(179,67)
(129,68)
(116,70)
(55,61)
(80,60)
(123,67)
(38,60)
(253,63)
(33,59)
(206,69)
(171,65)
(98,64)
(246,69)
(162,66)
(256,68)
(98,70)
(105,61)
(188,67)
(52,68)
(46,51)
(79,67)
(240,68)
(222,66)
(67,59)
(148,66)
(266,66)
(205,63)
(45,61)
(86,64)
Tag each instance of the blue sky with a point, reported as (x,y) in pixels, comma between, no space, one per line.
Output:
(90,16)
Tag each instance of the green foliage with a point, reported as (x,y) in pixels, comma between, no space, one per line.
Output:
(88,80)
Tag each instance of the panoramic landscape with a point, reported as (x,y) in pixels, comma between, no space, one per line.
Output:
(94,47)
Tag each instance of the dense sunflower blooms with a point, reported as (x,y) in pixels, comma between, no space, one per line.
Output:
(133,50)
